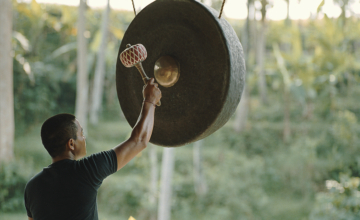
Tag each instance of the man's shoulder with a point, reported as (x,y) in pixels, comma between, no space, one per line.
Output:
(53,171)
(106,153)
(98,166)
(34,180)
(108,156)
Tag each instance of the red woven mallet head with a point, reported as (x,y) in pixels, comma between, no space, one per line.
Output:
(133,55)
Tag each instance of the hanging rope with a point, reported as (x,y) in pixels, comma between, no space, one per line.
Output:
(133,6)
(221,10)
(222,7)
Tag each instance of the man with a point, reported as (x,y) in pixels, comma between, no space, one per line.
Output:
(67,188)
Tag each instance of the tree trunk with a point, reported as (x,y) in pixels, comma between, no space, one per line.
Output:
(6,83)
(82,74)
(167,168)
(260,55)
(243,108)
(153,180)
(199,179)
(260,63)
(242,111)
(287,20)
(287,131)
(287,84)
(97,94)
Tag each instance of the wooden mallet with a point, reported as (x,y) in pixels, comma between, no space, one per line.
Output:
(133,56)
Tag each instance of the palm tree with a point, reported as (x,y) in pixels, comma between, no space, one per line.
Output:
(260,54)
(82,75)
(243,108)
(6,83)
(167,169)
(100,69)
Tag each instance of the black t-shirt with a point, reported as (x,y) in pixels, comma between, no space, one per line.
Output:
(67,189)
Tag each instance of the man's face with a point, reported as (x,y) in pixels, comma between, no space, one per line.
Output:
(80,143)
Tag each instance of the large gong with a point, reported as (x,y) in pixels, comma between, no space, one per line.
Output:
(212,70)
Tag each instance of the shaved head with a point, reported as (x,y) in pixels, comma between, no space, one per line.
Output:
(57,131)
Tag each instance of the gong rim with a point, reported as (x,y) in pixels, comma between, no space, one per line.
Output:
(210,104)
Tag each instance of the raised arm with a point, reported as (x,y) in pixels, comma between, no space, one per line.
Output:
(143,128)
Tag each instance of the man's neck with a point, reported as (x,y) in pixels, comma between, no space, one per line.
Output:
(64,156)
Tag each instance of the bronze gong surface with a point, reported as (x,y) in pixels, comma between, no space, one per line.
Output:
(212,73)
(166,71)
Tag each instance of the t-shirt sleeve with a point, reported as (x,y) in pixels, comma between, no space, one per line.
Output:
(27,205)
(97,167)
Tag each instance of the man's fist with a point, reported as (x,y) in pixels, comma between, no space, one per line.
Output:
(151,92)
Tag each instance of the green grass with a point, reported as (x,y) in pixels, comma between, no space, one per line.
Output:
(29,149)
(22,216)
(13,216)
(106,135)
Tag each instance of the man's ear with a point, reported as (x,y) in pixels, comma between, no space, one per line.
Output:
(70,144)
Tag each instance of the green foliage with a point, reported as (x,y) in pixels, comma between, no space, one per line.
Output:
(341,201)
(122,196)
(339,141)
(13,178)
(45,96)
(40,88)
(29,150)
(45,59)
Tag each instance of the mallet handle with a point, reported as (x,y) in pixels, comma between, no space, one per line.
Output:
(144,76)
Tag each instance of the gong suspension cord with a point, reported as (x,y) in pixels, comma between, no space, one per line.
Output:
(221,10)
(222,7)
(133,6)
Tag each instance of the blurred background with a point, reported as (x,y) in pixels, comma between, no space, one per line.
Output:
(289,152)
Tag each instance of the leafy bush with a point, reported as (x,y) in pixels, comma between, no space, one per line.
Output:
(122,196)
(341,201)
(13,179)
(340,144)
(46,95)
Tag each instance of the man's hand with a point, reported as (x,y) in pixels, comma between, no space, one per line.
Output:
(151,92)
(142,131)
